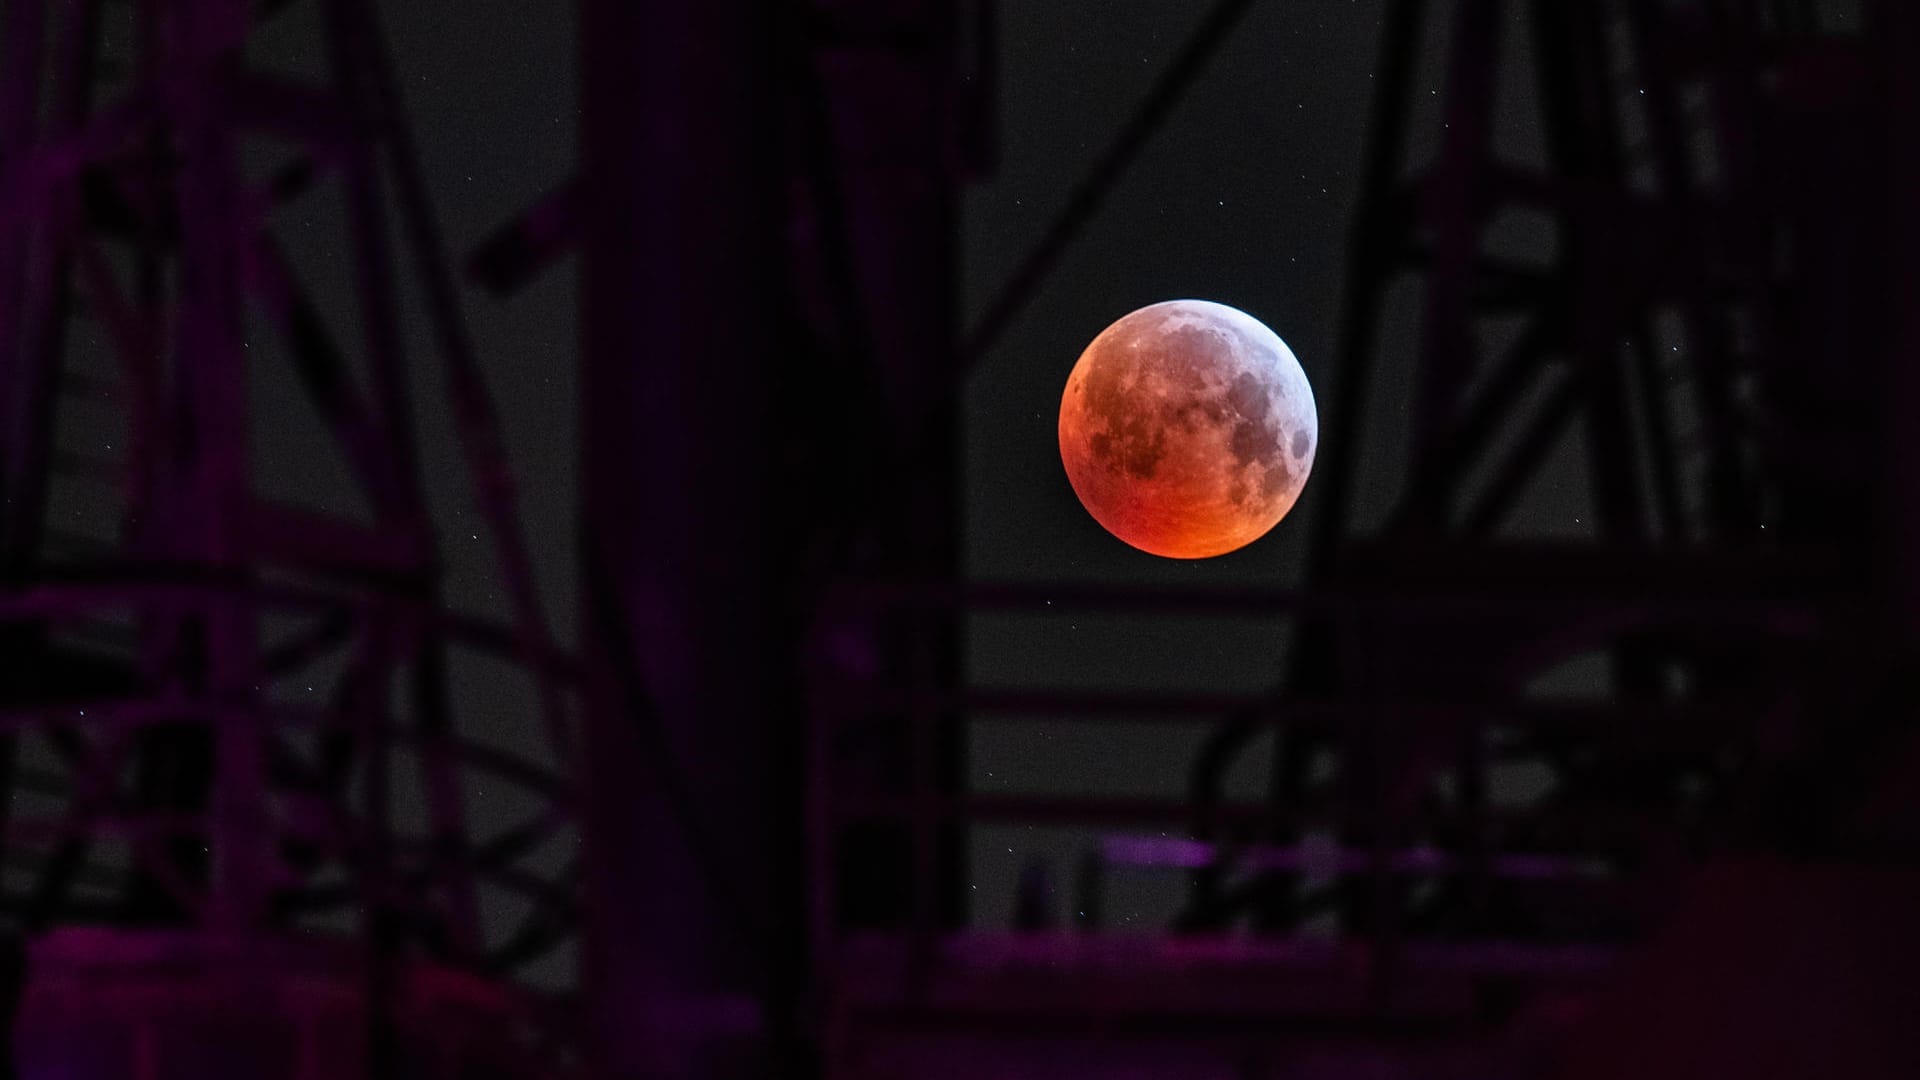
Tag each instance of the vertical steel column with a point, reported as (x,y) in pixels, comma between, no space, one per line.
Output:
(690,687)
(212,471)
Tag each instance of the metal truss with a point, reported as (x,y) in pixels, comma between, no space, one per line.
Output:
(1662,317)
(1676,296)
(230,709)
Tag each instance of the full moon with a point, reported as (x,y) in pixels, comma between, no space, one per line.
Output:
(1188,429)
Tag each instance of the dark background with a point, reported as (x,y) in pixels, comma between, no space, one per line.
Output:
(1243,196)
(1246,194)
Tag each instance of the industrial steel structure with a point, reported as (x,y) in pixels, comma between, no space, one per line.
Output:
(239,837)
(1501,767)
(1500,762)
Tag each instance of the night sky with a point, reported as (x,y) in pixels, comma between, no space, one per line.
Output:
(1244,196)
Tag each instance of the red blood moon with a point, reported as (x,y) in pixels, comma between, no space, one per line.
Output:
(1188,429)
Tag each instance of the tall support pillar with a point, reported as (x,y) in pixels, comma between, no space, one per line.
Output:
(690,707)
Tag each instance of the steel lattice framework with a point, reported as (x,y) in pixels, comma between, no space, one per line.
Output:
(228,709)
(1671,306)
(1652,309)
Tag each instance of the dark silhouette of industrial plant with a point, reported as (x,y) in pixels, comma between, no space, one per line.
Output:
(1640,799)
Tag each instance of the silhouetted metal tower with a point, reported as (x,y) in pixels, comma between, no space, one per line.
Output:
(766,213)
(250,830)
(1675,296)
(1507,741)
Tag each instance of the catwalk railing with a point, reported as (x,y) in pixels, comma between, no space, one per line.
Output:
(1402,860)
